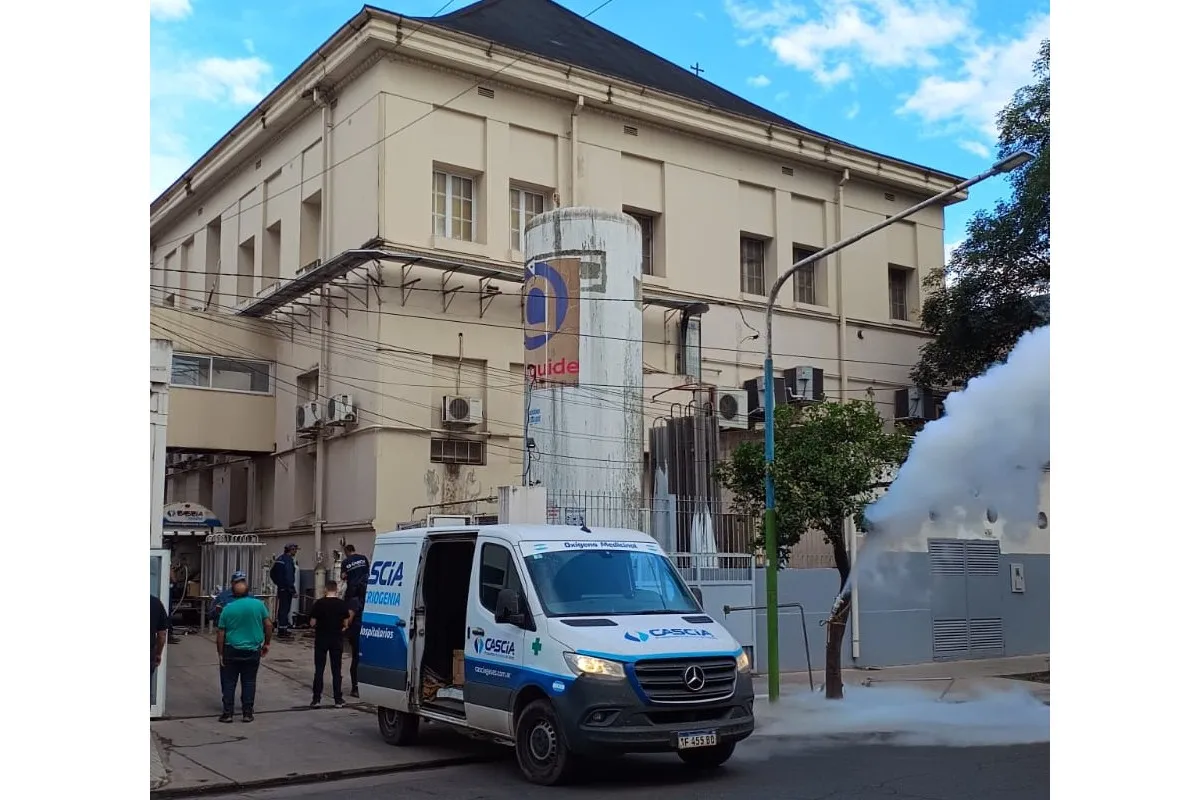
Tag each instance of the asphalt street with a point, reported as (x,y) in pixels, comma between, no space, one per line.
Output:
(773,768)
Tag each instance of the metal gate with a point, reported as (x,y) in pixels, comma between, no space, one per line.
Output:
(966,599)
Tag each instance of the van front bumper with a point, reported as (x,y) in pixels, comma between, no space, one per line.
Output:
(610,716)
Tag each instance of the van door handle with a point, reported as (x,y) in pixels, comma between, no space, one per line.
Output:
(477,631)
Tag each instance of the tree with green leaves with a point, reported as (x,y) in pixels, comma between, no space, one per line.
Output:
(830,458)
(996,286)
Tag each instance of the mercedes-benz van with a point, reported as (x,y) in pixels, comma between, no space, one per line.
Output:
(564,642)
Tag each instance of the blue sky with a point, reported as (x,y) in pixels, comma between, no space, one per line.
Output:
(918,79)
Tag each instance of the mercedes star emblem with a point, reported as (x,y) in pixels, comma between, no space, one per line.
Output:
(693,678)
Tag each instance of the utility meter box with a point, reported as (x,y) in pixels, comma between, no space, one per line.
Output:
(1016,574)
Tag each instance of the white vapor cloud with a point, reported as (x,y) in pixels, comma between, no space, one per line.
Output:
(975,148)
(781,96)
(759,81)
(170,10)
(853,110)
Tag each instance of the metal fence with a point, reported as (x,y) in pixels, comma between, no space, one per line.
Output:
(678,524)
(704,568)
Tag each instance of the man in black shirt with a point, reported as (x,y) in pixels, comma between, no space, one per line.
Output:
(356,570)
(160,623)
(331,617)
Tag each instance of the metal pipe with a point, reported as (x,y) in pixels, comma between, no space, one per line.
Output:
(803,625)
(575,150)
(770,531)
(843,378)
(322,355)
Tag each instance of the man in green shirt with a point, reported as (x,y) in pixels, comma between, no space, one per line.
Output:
(243,638)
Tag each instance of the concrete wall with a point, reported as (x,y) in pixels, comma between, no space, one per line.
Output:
(896,625)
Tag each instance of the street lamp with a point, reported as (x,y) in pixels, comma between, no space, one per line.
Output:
(770,531)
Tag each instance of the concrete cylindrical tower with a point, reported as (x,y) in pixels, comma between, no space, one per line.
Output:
(583,358)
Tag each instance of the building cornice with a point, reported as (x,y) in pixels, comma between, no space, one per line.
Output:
(361,39)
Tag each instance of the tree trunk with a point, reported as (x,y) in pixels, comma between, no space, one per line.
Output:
(835,632)
(835,628)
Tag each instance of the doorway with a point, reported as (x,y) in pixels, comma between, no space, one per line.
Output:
(445,585)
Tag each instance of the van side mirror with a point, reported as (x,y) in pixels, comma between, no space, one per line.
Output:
(510,609)
(698,594)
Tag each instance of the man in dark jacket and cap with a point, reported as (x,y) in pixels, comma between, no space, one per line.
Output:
(283,575)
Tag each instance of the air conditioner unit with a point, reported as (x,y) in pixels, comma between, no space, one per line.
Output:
(757,395)
(732,409)
(308,416)
(804,384)
(341,410)
(916,404)
(460,410)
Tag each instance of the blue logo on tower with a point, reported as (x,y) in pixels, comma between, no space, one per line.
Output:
(669,633)
(551,300)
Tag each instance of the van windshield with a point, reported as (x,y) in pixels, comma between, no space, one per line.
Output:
(572,583)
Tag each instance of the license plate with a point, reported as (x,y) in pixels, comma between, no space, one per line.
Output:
(694,739)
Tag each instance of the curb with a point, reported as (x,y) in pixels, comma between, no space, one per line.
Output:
(316,777)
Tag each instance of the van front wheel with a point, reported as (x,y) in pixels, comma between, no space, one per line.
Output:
(398,728)
(542,750)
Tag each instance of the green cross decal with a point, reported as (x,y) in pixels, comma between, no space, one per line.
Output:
(537,646)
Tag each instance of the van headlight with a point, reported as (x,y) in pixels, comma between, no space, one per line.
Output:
(743,661)
(590,665)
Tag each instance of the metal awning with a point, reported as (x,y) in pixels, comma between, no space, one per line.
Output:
(347,261)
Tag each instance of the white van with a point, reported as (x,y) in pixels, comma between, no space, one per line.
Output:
(562,641)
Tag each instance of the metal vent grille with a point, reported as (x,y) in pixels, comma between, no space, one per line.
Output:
(788,171)
(950,638)
(631,131)
(983,558)
(946,558)
(486,92)
(986,635)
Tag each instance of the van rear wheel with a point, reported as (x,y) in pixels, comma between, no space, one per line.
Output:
(398,728)
(704,758)
(542,750)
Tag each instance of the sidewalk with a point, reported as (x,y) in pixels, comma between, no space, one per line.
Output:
(287,740)
(959,680)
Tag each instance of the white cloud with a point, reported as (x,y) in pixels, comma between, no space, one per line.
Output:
(985,83)
(975,148)
(240,81)
(853,110)
(184,94)
(700,15)
(759,81)
(170,10)
(950,248)
(781,96)
(750,18)
(876,33)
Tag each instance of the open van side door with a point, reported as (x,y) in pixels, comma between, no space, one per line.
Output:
(384,651)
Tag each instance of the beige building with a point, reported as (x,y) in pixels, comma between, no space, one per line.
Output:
(357,237)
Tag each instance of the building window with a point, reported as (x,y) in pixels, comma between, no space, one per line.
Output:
(453,206)
(898,278)
(457,451)
(647,224)
(754,266)
(523,206)
(805,282)
(217,372)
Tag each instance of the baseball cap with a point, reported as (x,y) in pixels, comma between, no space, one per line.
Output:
(291,546)
(238,576)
